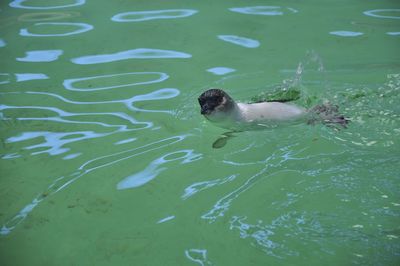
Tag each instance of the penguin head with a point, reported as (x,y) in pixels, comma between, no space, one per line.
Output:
(215,100)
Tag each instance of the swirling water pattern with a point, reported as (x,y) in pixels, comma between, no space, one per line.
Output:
(105,158)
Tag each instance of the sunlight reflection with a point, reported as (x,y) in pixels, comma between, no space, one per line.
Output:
(166,219)
(89,166)
(199,186)
(140,53)
(82,27)
(54,141)
(68,83)
(154,169)
(19,4)
(41,56)
(375,13)
(220,70)
(62,113)
(241,41)
(161,94)
(30,76)
(198,256)
(137,16)
(262,10)
(344,33)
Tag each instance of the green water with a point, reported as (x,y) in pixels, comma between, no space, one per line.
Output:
(106,160)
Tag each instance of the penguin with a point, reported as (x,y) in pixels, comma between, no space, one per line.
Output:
(222,110)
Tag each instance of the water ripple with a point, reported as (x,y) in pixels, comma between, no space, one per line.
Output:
(41,56)
(140,53)
(82,27)
(199,186)
(161,94)
(198,256)
(373,13)
(62,113)
(346,33)
(30,76)
(261,10)
(220,70)
(89,166)
(54,141)
(241,41)
(274,161)
(166,219)
(19,4)
(47,16)
(154,169)
(68,83)
(137,16)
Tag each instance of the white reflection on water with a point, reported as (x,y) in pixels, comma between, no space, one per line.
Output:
(166,219)
(241,41)
(344,33)
(82,27)
(19,4)
(89,166)
(199,186)
(41,56)
(72,156)
(373,13)
(262,10)
(262,233)
(198,256)
(137,16)
(220,70)
(140,53)
(47,16)
(54,141)
(68,83)
(30,76)
(11,156)
(6,79)
(124,141)
(161,94)
(154,169)
(223,204)
(274,161)
(62,113)
(2,43)
(393,33)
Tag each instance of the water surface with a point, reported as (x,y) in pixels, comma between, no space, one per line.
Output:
(105,158)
